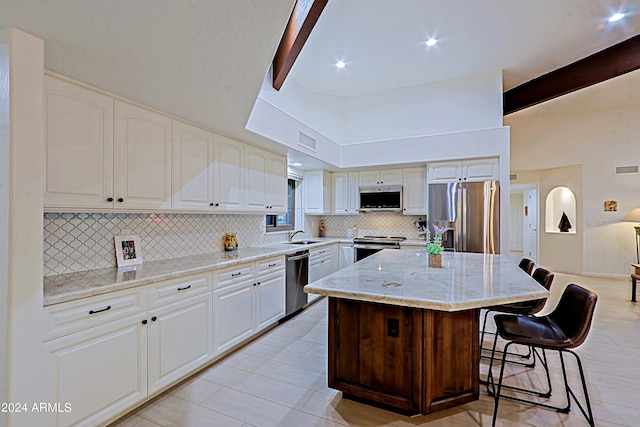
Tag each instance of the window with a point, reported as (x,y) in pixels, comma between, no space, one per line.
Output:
(286,221)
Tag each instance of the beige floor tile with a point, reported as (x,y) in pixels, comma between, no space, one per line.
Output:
(133,420)
(195,390)
(170,411)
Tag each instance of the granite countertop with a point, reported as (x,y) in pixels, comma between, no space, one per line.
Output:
(68,287)
(465,281)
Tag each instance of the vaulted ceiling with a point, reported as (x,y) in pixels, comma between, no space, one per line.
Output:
(205,61)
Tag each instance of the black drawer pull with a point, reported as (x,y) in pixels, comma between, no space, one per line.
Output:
(235,274)
(184,288)
(154,318)
(144,322)
(101,310)
(273,265)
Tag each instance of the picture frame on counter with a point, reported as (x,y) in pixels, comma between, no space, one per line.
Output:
(128,250)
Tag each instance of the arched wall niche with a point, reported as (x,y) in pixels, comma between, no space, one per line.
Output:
(560,201)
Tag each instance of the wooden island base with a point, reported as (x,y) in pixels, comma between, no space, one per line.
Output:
(409,360)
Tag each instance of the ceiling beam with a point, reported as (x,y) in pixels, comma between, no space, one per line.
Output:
(303,18)
(606,64)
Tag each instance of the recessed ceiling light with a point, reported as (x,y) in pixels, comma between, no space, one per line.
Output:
(616,17)
(431,42)
(296,164)
(340,64)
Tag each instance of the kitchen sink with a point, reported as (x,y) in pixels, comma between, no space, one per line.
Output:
(302,242)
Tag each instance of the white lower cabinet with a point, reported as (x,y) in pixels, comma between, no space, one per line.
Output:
(180,339)
(104,368)
(99,372)
(246,299)
(322,262)
(346,255)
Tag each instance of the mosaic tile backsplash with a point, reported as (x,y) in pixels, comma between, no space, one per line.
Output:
(84,241)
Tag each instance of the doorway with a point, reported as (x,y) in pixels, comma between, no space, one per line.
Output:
(524,222)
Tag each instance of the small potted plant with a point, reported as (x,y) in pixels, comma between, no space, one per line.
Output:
(434,246)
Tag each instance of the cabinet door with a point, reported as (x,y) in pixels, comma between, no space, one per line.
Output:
(316,269)
(445,171)
(391,177)
(233,317)
(269,301)
(331,263)
(78,146)
(317,192)
(227,176)
(100,371)
(353,194)
(255,180)
(192,168)
(369,178)
(277,186)
(340,183)
(480,170)
(180,339)
(413,197)
(346,256)
(142,158)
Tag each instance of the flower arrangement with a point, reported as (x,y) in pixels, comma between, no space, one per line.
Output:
(434,246)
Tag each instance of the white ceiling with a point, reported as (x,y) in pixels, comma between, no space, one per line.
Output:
(205,61)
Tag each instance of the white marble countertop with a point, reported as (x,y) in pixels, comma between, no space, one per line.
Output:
(465,281)
(68,287)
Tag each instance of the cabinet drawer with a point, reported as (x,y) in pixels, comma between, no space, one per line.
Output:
(169,291)
(73,316)
(271,265)
(232,275)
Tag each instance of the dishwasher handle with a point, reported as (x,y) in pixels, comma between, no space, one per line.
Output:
(297,257)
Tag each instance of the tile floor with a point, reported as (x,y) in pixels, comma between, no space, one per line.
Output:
(280,379)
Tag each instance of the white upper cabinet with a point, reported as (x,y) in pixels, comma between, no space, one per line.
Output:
(317,192)
(228,174)
(255,179)
(345,192)
(464,170)
(277,187)
(142,158)
(192,167)
(381,177)
(413,191)
(265,181)
(78,147)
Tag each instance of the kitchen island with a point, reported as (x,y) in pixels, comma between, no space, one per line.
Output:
(405,336)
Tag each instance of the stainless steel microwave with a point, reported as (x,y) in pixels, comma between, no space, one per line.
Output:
(381,198)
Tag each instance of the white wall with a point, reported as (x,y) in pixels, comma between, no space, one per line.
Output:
(598,141)
(21,146)
(461,104)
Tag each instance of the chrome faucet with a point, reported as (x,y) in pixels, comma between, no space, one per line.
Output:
(293,233)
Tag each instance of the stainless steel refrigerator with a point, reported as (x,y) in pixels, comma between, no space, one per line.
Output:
(472,212)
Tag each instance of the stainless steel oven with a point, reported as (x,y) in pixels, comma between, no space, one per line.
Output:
(369,245)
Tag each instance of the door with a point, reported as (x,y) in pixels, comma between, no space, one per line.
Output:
(100,371)
(233,316)
(179,339)
(269,300)
(516,223)
(531,223)
(192,171)
(142,158)
(78,147)
(227,175)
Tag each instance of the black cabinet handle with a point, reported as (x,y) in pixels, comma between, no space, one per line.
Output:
(110,199)
(254,284)
(217,204)
(101,310)
(258,283)
(272,265)
(235,274)
(154,318)
(210,204)
(144,322)
(120,200)
(184,288)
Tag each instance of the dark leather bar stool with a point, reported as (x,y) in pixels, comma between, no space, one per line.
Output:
(562,330)
(525,308)
(527,265)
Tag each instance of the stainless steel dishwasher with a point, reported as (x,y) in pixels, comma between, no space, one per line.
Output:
(297,278)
